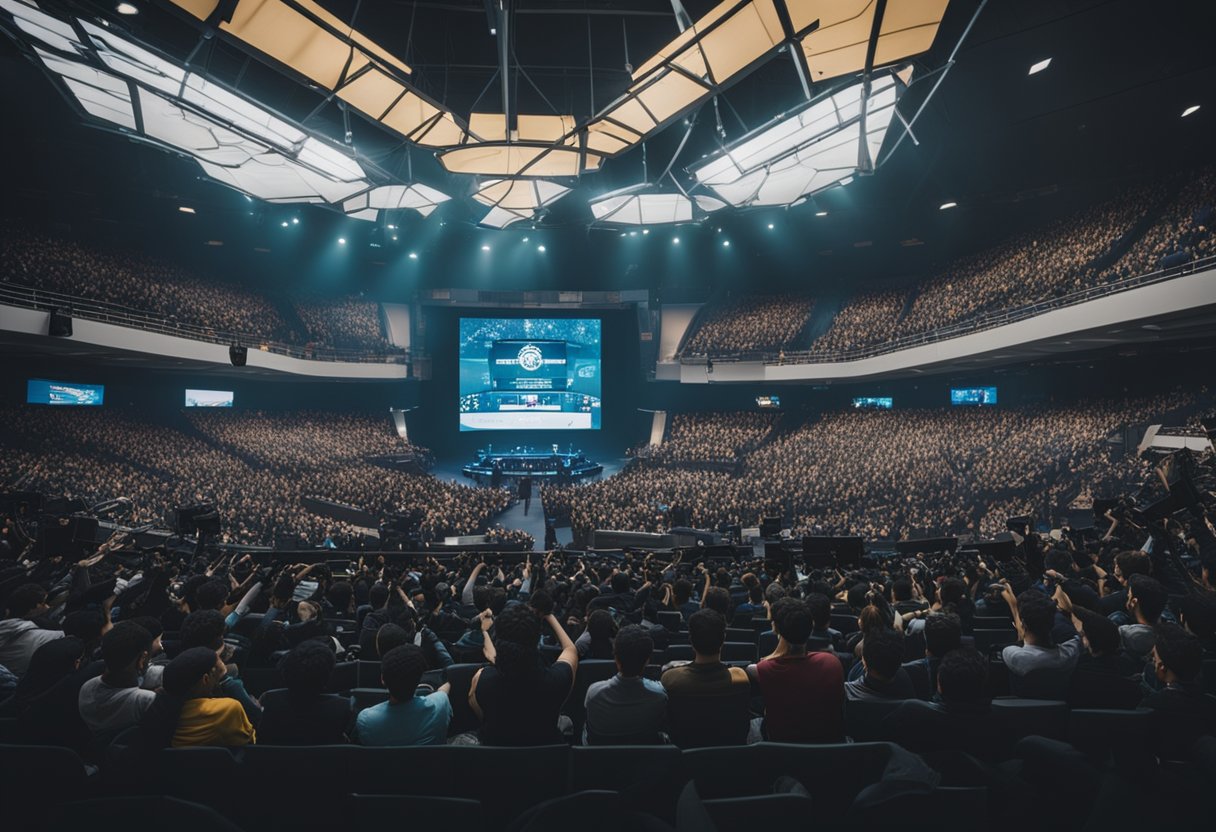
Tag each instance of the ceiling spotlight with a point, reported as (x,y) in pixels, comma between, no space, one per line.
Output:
(296,221)
(485,248)
(541,247)
(1190,110)
(821,213)
(645,230)
(524,240)
(284,223)
(394,238)
(623,234)
(413,255)
(126,8)
(771,226)
(392,227)
(633,233)
(675,241)
(1039,67)
(726,244)
(185,209)
(946,205)
(341,241)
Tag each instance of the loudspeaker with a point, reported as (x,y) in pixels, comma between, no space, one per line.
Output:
(61,324)
(237,355)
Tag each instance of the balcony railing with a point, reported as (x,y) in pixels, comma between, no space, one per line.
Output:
(988,320)
(15,294)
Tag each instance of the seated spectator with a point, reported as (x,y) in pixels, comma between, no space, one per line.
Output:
(302,713)
(959,718)
(1034,616)
(409,717)
(883,677)
(1146,600)
(197,716)
(705,675)
(114,701)
(627,705)
(943,633)
(803,692)
(1184,710)
(517,698)
(44,702)
(20,635)
(1197,613)
(205,628)
(596,642)
(1114,601)
(822,633)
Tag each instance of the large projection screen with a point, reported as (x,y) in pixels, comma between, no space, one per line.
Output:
(529,374)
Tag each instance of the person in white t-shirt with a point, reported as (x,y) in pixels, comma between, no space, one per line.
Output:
(114,701)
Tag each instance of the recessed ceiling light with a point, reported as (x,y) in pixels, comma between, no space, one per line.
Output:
(525,239)
(1039,67)
(485,248)
(821,213)
(675,241)
(645,230)
(771,226)
(413,255)
(185,209)
(1190,110)
(726,244)
(341,241)
(215,242)
(541,247)
(946,205)
(284,223)
(126,8)
(295,220)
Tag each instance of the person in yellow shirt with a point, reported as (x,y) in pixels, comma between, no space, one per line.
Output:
(204,719)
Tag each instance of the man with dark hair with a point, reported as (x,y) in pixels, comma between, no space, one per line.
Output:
(961,717)
(1034,616)
(627,704)
(1146,600)
(1114,597)
(883,679)
(1103,659)
(210,596)
(1183,710)
(114,701)
(706,674)
(1197,613)
(204,719)
(410,716)
(717,599)
(621,598)
(822,635)
(803,694)
(943,632)
(205,628)
(302,713)
(20,635)
(682,590)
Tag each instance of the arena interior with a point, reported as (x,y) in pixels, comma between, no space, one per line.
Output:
(661,414)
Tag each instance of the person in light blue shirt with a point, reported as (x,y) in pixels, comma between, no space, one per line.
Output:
(408,717)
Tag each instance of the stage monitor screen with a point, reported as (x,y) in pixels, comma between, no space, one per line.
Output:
(42,391)
(529,374)
(768,402)
(972,395)
(874,403)
(208,398)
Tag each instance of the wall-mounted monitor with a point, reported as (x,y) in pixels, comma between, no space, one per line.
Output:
(768,402)
(43,391)
(873,403)
(972,395)
(209,398)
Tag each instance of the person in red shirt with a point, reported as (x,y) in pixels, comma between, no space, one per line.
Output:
(803,692)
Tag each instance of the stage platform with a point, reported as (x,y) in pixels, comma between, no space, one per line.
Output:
(549,465)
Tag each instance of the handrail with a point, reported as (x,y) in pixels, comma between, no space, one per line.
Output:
(114,313)
(986,321)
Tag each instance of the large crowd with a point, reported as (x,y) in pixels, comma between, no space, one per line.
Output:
(749,323)
(1138,230)
(879,474)
(254,467)
(711,437)
(181,296)
(979,673)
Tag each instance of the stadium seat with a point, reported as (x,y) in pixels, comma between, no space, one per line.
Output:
(734,651)
(772,811)
(945,807)
(8,729)
(699,721)
(120,812)
(589,672)
(367,674)
(863,718)
(833,774)
(989,642)
(507,780)
(246,626)
(366,697)
(846,624)
(460,676)
(766,643)
(649,776)
(344,678)
(914,646)
(1019,718)
(1101,732)
(1094,690)
(671,619)
(192,773)
(991,622)
(258,680)
(1208,677)
(678,653)
(42,775)
(383,811)
(743,634)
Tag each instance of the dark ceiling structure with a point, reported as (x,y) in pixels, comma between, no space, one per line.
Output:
(1010,148)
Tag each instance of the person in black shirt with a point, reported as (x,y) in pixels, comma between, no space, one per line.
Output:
(1105,676)
(1185,712)
(302,713)
(517,698)
(1197,613)
(525,492)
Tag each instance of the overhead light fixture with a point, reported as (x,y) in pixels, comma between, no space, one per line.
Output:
(513,200)
(946,205)
(1036,68)
(413,255)
(370,204)
(675,241)
(1189,110)
(485,248)
(284,223)
(295,220)
(821,213)
(540,248)
(524,240)
(126,8)
(341,241)
(726,244)
(645,230)
(845,33)
(817,147)
(185,209)
(771,226)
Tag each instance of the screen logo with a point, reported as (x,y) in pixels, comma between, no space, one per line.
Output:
(530,358)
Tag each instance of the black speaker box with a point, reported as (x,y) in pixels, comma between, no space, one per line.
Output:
(61,324)
(237,355)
